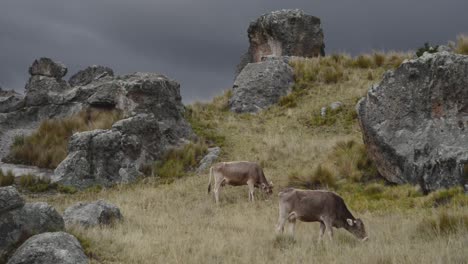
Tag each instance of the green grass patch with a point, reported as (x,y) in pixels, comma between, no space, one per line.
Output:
(443,224)
(6,179)
(47,146)
(36,184)
(320,178)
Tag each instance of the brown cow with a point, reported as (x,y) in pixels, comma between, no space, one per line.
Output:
(325,207)
(238,173)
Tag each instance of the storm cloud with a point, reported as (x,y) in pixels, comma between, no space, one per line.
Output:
(199,43)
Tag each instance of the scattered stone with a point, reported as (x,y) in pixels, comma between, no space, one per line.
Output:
(441,48)
(10,199)
(19,224)
(47,67)
(284,33)
(323,111)
(90,74)
(336,105)
(50,248)
(415,121)
(260,85)
(205,163)
(92,214)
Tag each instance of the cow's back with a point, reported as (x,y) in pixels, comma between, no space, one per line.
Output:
(238,172)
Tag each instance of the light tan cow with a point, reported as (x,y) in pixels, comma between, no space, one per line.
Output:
(239,173)
(325,207)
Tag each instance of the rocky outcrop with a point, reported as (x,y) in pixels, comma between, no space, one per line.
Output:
(92,214)
(149,102)
(205,163)
(47,67)
(19,221)
(260,85)
(10,101)
(50,248)
(415,122)
(90,74)
(107,157)
(284,33)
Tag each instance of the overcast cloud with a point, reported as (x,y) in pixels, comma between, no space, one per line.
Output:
(199,42)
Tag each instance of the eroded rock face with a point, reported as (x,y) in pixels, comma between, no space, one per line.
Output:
(10,101)
(260,85)
(49,68)
(50,248)
(90,74)
(16,225)
(284,33)
(107,157)
(415,122)
(92,214)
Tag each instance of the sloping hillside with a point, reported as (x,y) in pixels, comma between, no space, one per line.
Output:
(180,223)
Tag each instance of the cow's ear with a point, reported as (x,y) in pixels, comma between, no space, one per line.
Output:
(271,183)
(350,222)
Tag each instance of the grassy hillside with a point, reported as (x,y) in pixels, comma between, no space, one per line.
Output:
(179,222)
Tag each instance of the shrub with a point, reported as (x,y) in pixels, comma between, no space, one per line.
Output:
(6,179)
(33,183)
(178,161)
(47,147)
(288,101)
(426,48)
(332,75)
(462,45)
(379,59)
(321,177)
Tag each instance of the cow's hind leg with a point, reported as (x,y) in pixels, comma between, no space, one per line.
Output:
(217,187)
(322,230)
(283,215)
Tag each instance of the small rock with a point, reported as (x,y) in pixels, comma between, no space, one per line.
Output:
(92,214)
(213,154)
(444,48)
(90,74)
(47,67)
(336,105)
(323,111)
(50,248)
(10,199)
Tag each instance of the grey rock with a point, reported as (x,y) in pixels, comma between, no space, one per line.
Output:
(19,224)
(50,248)
(336,105)
(441,48)
(90,74)
(107,157)
(48,67)
(42,90)
(415,122)
(10,199)
(323,111)
(260,85)
(284,33)
(205,163)
(10,101)
(92,214)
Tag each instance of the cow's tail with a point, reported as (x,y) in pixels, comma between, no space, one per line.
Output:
(209,179)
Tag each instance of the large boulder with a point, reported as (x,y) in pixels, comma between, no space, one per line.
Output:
(284,33)
(415,122)
(260,85)
(10,199)
(210,158)
(47,67)
(18,224)
(90,74)
(50,248)
(43,91)
(107,157)
(92,214)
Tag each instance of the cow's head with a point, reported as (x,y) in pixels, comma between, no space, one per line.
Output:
(356,227)
(267,187)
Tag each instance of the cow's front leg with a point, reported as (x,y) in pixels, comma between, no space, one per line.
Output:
(251,190)
(329,227)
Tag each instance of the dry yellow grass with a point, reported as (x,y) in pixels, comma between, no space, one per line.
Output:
(180,223)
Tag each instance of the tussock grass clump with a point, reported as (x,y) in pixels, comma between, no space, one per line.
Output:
(442,224)
(426,48)
(288,101)
(321,177)
(35,184)
(363,62)
(6,179)
(177,162)
(461,46)
(344,116)
(47,147)
(445,196)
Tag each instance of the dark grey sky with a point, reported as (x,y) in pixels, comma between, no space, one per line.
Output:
(199,42)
